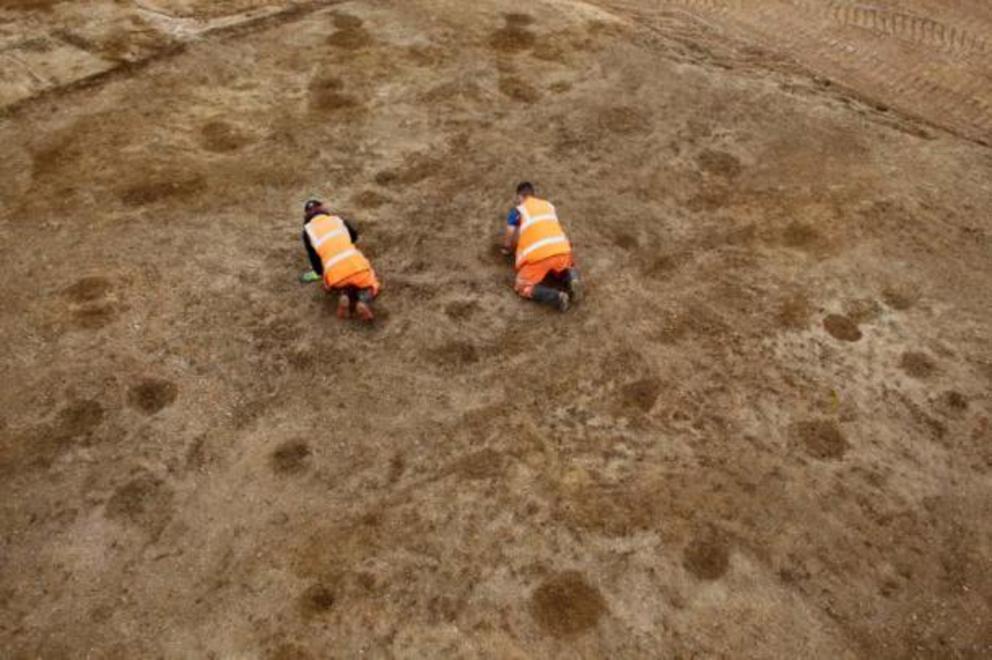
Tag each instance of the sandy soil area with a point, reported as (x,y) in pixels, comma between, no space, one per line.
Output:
(764,434)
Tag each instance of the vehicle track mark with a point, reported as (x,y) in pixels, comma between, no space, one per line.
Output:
(908,27)
(943,81)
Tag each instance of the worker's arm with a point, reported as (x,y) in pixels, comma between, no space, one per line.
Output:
(315,263)
(510,235)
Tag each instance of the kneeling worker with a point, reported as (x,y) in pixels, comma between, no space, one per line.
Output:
(542,249)
(330,243)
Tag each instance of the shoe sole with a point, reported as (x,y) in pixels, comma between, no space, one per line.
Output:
(563,302)
(575,289)
(364,312)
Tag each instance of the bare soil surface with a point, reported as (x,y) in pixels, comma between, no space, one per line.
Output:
(765,433)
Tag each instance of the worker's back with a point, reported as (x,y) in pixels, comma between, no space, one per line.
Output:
(541,233)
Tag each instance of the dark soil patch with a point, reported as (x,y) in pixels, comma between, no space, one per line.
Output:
(457,353)
(800,235)
(221,137)
(821,439)
(351,39)
(326,95)
(642,394)
(78,419)
(397,466)
(350,34)
(426,56)
(88,289)
(518,19)
(369,199)
(664,265)
(49,159)
(152,395)
(301,359)
(461,310)
(94,316)
(40,445)
(565,605)
(794,313)
(290,457)
(318,599)
(719,163)
(709,200)
(954,400)
(346,21)
(842,327)
(289,652)
(483,464)
(707,556)
(180,186)
(554,47)
(898,300)
(518,89)
(145,501)
(198,454)
(625,241)
(513,38)
(623,120)
(918,365)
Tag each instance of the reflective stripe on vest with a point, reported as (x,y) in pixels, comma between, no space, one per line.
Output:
(544,242)
(540,235)
(331,240)
(541,218)
(326,237)
(339,257)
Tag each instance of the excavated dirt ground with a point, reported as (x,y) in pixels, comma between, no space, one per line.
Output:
(765,434)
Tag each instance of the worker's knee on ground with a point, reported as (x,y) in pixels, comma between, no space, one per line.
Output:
(545,294)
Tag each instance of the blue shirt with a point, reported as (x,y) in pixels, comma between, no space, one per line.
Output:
(513,218)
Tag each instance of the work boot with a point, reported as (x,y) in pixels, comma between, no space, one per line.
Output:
(364,311)
(574,284)
(575,288)
(548,296)
(344,306)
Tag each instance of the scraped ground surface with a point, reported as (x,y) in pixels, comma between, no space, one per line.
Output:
(765,433)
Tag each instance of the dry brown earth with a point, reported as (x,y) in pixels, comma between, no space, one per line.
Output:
(765,434)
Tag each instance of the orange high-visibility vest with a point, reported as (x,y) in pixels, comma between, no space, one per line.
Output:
(541,235)
(329,237)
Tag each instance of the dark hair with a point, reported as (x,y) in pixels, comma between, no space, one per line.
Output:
(312,208)
(525,188)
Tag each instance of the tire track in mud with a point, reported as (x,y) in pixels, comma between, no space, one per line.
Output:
(942,84)
(903,25)
(908,27)
(948,94)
